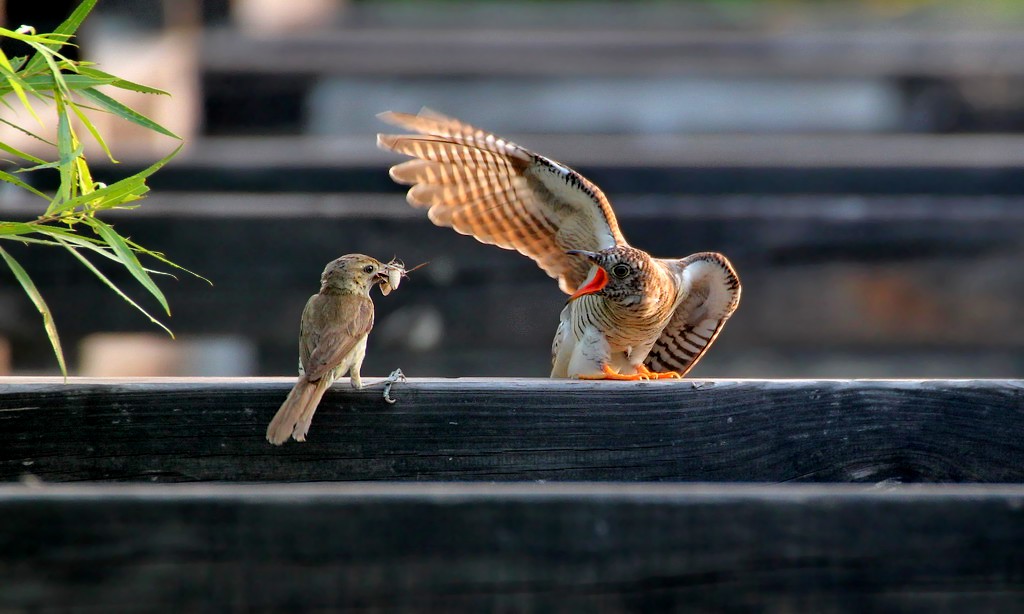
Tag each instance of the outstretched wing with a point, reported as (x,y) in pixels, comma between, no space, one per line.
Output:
(502,194)
(710,293)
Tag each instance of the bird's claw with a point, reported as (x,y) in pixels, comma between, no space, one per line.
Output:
(646,373)
(396,376)
(642,374)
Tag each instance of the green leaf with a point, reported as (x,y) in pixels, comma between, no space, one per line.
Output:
(125,112)
(113,287)
(82,117)
(27,132)
(128,185)
(135,246)
(112,195)
(65,145)
(9,178)
(68,28)
(8,229)
(21,154)
(128,259)
(30,240)
(73,82)
(119,82)
(37,299)
(54,164)
(55,70)
(18,86)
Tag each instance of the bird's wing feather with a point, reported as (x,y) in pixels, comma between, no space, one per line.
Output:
(502,194)
(332,325)
(710,291)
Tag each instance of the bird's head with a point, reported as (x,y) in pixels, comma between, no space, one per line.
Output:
(622,274)
(354,273)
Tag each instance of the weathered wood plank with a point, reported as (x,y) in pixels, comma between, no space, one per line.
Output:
(513,430)
(479,547)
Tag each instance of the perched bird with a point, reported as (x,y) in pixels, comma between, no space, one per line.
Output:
(332,337)
(629,315)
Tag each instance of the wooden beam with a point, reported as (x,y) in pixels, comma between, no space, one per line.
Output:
(480,547)
(518,429)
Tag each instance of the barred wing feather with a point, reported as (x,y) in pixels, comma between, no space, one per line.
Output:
(502,194)
(711,292)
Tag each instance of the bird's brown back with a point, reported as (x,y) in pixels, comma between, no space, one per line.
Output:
(332,324)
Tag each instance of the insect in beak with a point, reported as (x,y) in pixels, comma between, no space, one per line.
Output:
(392,273)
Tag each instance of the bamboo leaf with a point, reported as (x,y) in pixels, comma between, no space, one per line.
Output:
(8,229)
(67,28)
(131,188)
(65,146)
(128,259)
(9,178)
(157,255)
(30,240)
(112,286)
(21,154)
(100,248)
(125,112)
(55,70)
(92,130)
(44,310)
(129,185)
(54,164)
(27,132)
(124,84)
(73,82)
(18,86)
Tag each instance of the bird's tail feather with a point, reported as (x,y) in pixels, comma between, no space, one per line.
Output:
(296,413)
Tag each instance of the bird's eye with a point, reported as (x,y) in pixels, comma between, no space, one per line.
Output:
(620,270)
(368,268)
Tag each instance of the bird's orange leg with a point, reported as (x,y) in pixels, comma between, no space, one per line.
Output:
(643,370)
(607,373)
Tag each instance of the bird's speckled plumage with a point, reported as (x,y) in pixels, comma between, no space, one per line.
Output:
(653,315)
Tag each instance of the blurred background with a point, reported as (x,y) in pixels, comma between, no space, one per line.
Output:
(860,162)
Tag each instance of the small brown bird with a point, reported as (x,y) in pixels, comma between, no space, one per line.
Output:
(332,337)
(629,315)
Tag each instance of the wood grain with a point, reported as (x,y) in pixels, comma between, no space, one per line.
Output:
(478,547)
(519,430)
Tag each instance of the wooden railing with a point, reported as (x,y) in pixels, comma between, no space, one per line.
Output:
(515,494)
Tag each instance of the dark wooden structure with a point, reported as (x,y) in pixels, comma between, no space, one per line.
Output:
(519,430)
(514,495)
(523,548)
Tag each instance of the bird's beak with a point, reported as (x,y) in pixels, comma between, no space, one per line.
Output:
(599,281)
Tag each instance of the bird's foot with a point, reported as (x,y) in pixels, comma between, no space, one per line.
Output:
(643,370)
(396,376)
(607,373)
